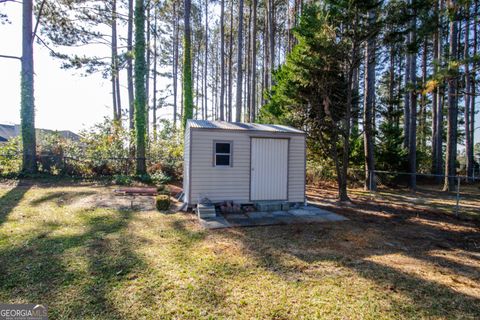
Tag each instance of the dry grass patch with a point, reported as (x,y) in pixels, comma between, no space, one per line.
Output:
(89,262)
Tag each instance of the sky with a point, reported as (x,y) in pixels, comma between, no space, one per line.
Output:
(64,99)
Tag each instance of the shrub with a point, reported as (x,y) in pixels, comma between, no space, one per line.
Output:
(160,178)
(163,202)
(10,158)
(145,178)
(121,179)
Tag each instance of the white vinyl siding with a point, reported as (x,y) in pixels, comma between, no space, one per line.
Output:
(233,182)
(269,169)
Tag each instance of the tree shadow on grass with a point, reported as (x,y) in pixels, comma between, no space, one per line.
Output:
(11,199)
(342,244)
(61,197)
(72,274)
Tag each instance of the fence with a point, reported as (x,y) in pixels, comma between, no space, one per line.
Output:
(429,190)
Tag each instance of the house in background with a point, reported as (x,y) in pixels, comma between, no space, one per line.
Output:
(243,163)
(8,132)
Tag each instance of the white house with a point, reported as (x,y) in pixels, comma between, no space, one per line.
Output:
(243,162)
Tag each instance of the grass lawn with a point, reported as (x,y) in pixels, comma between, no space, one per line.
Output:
(84,260)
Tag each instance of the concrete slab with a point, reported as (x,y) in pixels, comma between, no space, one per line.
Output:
(260,218)
(301,212)
(259,214)
(235,216)
(217,222)
(281,214)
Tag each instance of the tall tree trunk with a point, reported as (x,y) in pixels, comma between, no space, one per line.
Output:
(253,89)
(271,42)
(439,93)
(239,62)
(205,74)
(175,64)
(196,74)
(406,111)
(253,68)
(155,56)
(27,103)
(230,65)
(435,130)
(130,89)
(450,165)
(248,66)
(474,85)
(222,59)
(412,139)
(147,77)
(468,91)
(369,103)
(113,66)
(215,84)
(423,100)
(131,109)
(187,66)
(140,93)
(391,85)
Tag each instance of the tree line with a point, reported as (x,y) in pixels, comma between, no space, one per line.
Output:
(387,85)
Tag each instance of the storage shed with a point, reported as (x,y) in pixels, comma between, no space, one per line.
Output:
(243,162)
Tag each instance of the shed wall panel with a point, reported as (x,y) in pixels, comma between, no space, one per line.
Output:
(233,183)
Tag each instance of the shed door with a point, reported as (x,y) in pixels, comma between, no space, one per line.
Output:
(269,169)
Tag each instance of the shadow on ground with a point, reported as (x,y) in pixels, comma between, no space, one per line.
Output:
(11,199)
(391,247)
(41,270)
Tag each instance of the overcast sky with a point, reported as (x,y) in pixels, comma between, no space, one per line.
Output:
(64,99)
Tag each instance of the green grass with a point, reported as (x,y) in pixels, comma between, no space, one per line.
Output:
(100,263)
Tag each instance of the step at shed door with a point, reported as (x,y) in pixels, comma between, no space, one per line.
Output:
(269,169)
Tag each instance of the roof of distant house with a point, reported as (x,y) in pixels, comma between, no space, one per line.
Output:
(8,131)
(240,126)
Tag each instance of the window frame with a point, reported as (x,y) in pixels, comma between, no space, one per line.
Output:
(214,153)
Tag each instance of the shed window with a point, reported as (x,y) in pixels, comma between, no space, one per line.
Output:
(223,154)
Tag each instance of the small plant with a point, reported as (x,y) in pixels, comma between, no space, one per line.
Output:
(162,202)
(160,178)
(145,178)
(122,180)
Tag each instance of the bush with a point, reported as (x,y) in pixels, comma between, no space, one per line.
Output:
(163,202)
(10,158)
(160,178)
(122,180)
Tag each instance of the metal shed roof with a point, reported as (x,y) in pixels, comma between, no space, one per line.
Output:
(240,126)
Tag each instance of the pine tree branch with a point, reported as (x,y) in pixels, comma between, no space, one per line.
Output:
(38,20)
